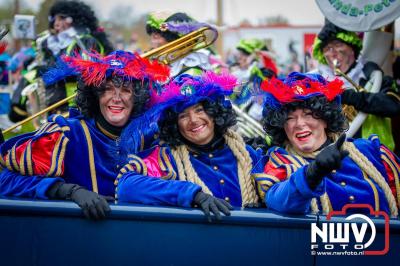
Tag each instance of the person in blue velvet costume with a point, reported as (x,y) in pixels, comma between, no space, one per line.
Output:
(76,158)
(314,166)
(200,161)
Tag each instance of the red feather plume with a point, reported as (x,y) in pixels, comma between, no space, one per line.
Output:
(300,89)
(278,89)
(3,47)
(268,62)
(94,70)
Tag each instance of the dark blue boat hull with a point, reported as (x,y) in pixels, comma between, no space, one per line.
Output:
(54,233)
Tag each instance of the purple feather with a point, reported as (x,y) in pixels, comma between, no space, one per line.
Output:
(185,27)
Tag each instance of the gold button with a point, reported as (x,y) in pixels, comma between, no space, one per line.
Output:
(155,136)
(343,184)
(215,168)
(227,199)
(222,181)
(210,155)
(351,198)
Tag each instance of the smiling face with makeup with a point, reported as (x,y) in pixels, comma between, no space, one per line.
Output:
(305,132)
(195,125)
(116,103)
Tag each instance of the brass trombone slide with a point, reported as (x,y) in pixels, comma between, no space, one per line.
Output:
(252,127)
(51,107)
(338,72)
(181,47)
(165,54)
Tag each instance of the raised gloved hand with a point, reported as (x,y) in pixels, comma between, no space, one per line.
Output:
(329,159)
(209,204)
(93,205)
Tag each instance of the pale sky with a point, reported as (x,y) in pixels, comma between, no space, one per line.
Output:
(303,12)
(298,12)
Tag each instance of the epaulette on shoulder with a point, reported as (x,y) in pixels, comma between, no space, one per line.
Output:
(275,149)
(135,164)
(372,139)
(165,163)
(22,160)
(58,125)
(371,145)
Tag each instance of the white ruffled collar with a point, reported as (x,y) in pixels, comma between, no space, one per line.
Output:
(62,40)
(355,73)
(196,59)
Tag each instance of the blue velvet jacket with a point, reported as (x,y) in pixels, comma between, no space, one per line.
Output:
(152,177)
(75,150)
(285,189)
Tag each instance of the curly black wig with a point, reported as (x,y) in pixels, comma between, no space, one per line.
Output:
(168,35)
(87,98)
(223,117)
(83,18)
(330,112)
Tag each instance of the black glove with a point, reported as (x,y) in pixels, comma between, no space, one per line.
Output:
(254,205)
(93,205)
(257,143)
(209,203)
(329,159)
(372,103)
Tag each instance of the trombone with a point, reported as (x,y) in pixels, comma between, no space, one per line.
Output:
(248,126)
(183,46)
(338,72)
(349,111)
(165,54)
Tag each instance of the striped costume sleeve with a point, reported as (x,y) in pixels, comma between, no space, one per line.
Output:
(151,180)
(156,164)
(392,166)
(284,185)
(275,170)
(135,165)
(41,154)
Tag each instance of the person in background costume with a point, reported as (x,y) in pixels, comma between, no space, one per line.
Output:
(165,27)
(334,43)
(314,167)
(17,67)
(254,64)
(4,59)
(73,29)
(396,120)
(200,160)
(76,158)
